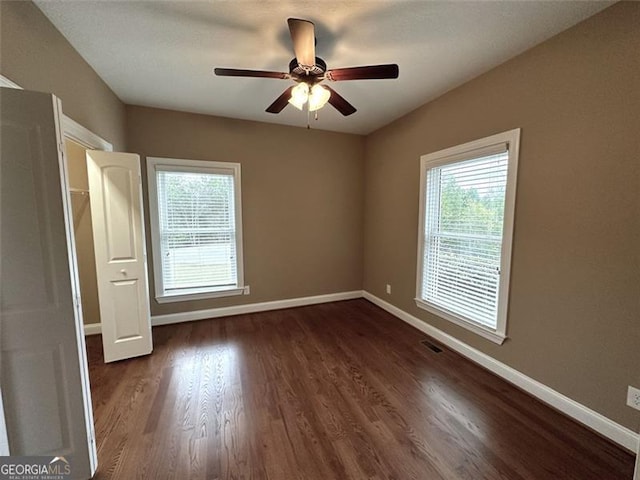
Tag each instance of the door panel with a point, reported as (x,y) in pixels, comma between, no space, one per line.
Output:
(46,402)
(119,213)
(22,192)
(118,230)
(35,403)
(125,294)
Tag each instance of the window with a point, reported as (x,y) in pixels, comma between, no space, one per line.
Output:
(466,222)
(196,228)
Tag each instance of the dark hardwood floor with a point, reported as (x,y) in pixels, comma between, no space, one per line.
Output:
(335,391)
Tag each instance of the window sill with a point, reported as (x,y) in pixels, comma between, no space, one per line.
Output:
(199,295)
(492,335)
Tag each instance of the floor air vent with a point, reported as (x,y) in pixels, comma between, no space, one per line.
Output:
(431,346)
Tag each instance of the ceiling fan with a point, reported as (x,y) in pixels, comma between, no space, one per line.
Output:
(308,71)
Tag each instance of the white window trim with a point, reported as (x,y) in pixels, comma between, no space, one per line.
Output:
(197,166)
(512,139)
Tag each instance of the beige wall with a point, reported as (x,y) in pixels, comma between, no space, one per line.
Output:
(78,179)
(36,56)
(302,194)
(575,296)
(574,315)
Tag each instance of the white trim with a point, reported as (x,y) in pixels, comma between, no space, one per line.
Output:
(252,308)
(506,141)
(75,287)
(92,329)
(85,137)
(226,168)
(491,145)
(4,437)
(71,129)
(194,295)
(636,475)
(453,318)
(5,82)
(592,419)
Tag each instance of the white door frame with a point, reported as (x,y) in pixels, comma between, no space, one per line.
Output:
(636,476)
(75,132)
(83,136)
(72,130)
(4,438)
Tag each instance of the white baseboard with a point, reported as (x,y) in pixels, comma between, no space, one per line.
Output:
(592,419)
(92,329)
(251,308)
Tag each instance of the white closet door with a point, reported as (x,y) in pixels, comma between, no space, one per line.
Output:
(44,382)
(118,232)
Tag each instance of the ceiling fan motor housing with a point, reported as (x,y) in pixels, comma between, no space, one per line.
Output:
(298,71)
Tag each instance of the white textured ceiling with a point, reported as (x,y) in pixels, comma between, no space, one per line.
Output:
(162,54)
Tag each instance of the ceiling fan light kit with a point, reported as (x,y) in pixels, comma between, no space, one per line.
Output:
(318,98)
(308,71)
(299,95)
(315,99)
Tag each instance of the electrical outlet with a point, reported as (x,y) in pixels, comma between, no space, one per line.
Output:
(247,290)
(388,289)
(633,397)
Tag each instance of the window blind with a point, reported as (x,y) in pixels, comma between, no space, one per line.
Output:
(464,213)
(197,230)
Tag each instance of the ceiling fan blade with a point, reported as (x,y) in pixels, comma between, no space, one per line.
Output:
(369,72)
(234,72)
(304,41)
(280,102)
(339,103)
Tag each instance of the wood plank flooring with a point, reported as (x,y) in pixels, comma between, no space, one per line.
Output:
(334,391)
